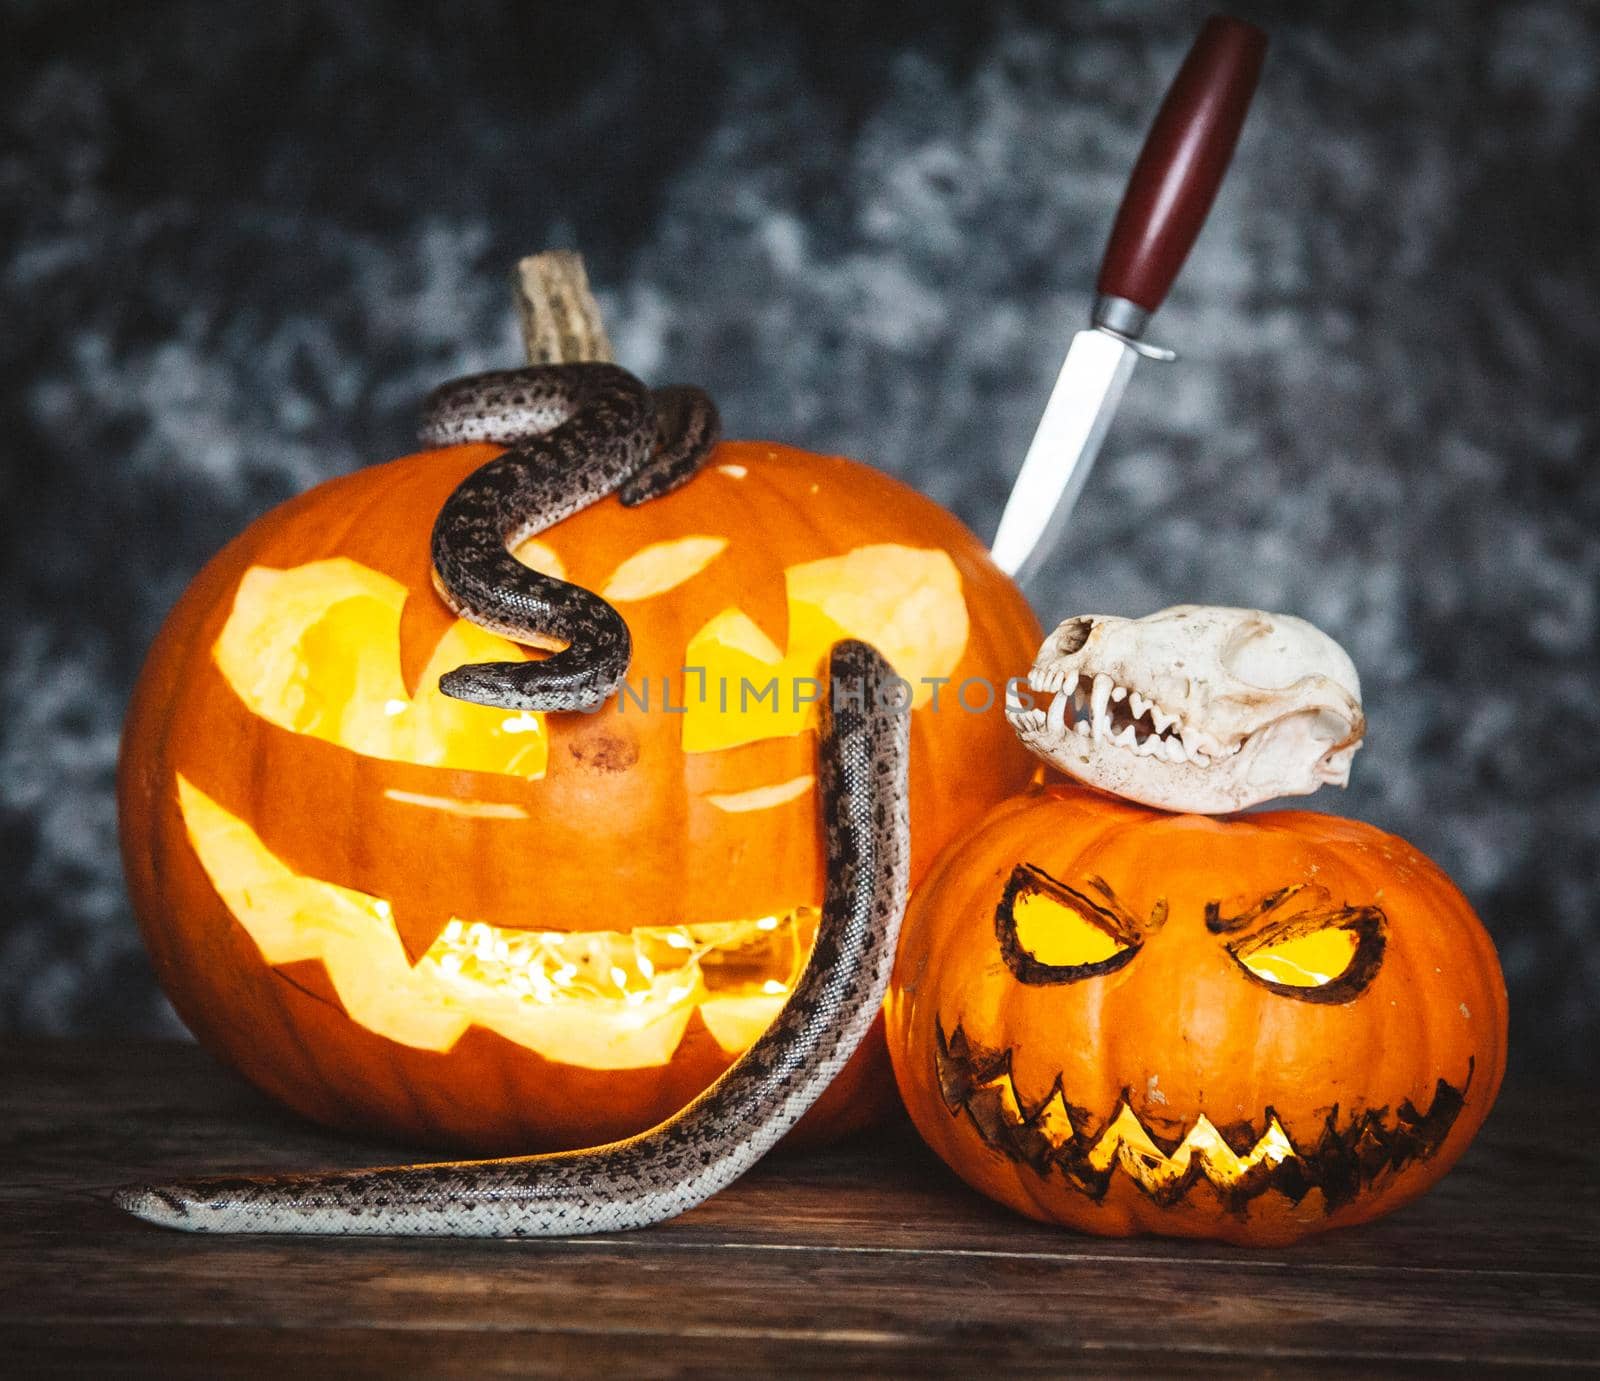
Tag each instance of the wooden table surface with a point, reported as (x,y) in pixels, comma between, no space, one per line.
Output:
(871,1258)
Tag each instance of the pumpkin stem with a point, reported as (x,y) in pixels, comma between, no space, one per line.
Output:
(560,319)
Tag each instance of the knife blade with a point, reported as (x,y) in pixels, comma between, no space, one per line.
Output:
(1075,422)
(1171,189)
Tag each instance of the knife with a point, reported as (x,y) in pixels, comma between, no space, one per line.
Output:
(1171,190)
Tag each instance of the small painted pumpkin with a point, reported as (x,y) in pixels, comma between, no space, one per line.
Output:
(459,925)
(1252,1028)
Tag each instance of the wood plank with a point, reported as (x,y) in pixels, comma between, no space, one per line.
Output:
(743,1296)
(175,1111)
(869,1258)
(208,1351)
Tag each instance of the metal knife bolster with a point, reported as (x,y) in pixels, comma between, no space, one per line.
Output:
(1126,321)
(1120,315)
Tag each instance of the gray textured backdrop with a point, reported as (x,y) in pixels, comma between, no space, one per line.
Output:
(242,240)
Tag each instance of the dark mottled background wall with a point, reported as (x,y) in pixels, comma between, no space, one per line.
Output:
(240,241)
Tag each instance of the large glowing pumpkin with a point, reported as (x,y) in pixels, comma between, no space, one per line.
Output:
(442,921)
(1251,1029)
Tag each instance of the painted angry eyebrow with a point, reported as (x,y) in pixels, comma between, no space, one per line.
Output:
(1124,914)
(1218,924)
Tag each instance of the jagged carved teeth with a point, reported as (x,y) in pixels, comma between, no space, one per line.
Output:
(1093,706)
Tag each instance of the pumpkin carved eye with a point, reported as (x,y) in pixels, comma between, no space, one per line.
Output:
(1052,933)
(1329,954)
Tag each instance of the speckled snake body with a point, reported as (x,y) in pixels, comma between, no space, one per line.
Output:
(863,764)
(575,433)
(711,1142)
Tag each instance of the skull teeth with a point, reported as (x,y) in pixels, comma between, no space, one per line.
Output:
(1099,702)
(1092,706)
(1057,717)
(1052,680)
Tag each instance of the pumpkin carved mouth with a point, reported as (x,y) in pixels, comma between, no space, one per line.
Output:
(611,999)
(1237,1161)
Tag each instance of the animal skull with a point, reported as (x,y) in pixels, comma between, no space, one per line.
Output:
(1194,708)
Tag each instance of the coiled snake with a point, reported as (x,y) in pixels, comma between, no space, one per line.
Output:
(863,762)
(576,433)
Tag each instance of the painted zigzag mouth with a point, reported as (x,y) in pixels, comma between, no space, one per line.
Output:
(1238,1161)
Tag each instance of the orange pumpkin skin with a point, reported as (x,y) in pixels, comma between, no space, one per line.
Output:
(1019,1086)
(623,828)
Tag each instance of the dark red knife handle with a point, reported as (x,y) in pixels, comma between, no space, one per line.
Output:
(1182,162)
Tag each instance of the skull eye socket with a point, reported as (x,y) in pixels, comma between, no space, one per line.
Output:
(1327,956)
(1072,635)
(1051,933)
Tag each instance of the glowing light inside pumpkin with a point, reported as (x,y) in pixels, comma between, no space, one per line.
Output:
(600,1000)
(1304,961)
(1125,1142)
(451,805)
(1060,935)
(661,566)
(316,650)
(906,601)
(539,556)
(761,797)
(729,957)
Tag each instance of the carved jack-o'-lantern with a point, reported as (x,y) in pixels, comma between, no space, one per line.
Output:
(1250,1029)
(401,912)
